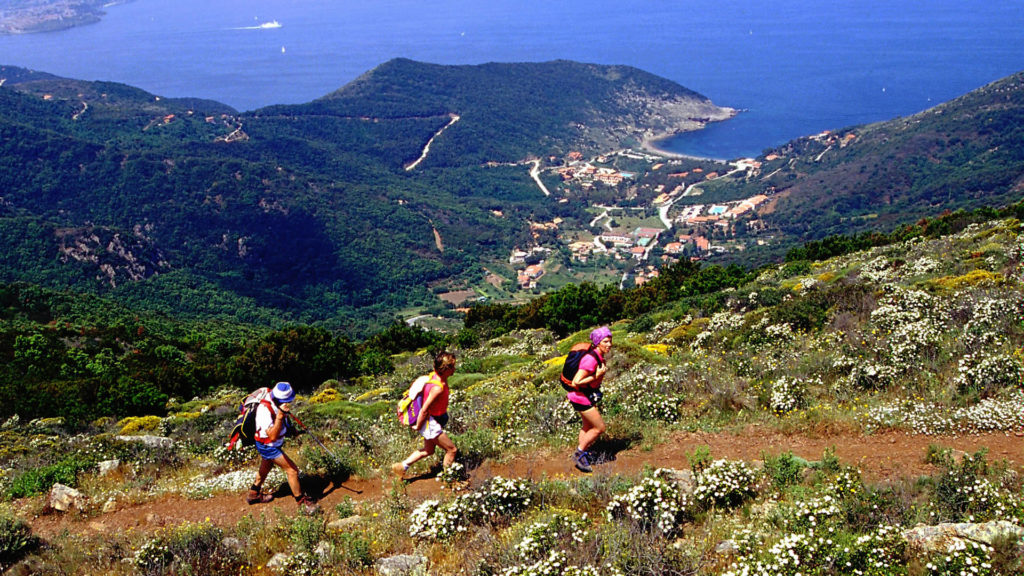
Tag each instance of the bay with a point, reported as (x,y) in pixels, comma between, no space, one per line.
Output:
(794,67)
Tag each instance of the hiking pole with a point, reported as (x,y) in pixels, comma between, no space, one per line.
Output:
(322,445)
(314,437)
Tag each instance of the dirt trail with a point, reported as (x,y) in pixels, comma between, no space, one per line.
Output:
(881,457)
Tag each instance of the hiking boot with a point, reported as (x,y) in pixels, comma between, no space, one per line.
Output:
(398,470)
(307,505)
(256,496)
(582,461)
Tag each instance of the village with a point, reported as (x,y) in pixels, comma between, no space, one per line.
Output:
(684,229)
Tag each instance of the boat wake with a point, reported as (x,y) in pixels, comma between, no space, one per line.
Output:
(264,26)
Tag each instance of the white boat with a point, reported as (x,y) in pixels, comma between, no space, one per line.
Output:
(271,24)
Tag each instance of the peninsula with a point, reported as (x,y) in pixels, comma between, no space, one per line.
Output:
(28,16)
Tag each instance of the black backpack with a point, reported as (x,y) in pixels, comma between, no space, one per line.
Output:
(243,432)
(572,363)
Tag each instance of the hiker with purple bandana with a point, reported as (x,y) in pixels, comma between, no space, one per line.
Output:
(584,394)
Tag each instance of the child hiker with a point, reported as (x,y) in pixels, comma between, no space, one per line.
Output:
(272,426)
(433,416)
(584,393)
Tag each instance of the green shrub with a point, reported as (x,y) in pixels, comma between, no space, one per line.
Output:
(305,531)
(475,446)
(39,480)
(784,470)
(16,538)
(338,464)
(190,548)
(699,458)
(352,552)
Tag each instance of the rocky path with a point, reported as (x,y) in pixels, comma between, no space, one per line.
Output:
(880,457)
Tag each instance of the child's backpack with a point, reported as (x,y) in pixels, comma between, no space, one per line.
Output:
(572,363)
(243,433)
(410,405)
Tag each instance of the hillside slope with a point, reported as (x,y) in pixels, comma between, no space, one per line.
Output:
(962,154)
(298,211)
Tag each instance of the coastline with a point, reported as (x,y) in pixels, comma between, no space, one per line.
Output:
(651,143)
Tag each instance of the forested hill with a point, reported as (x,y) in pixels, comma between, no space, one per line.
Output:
(508,111)
(299,212)
(962,154)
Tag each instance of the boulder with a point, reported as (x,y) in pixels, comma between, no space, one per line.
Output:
(403,565)
(324,550)
(681,478)
(149,441)
(64,498)
(108,466)
(937,538)
(344,523)
(727,548)
(233,545)
(279,560)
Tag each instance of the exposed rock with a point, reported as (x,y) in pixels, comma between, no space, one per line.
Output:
(109,506)
(64,498)
(27,567)
(108,466)
(118,258)
(323,550)
(938,537)
(681,478)
(150,441)
(344,523)
(233,544)
(279,560)
(727,548)
(403,565)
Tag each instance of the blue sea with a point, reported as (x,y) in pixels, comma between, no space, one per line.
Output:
(795,67)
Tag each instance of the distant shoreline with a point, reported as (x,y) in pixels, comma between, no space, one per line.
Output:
(55,16)
(651,145)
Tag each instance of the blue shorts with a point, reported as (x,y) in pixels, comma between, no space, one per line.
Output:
(268,452)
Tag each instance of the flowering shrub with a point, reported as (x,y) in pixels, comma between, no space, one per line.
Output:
(455,472)
(136,424)
(563,525)
(869,376)
(779,333)
(962,557)
(964,494)
(725,483)
(720,322)
(909,324)
(236,456)
(658,407)
(930,418)
(191,548)
(986,328)
(787,395)
(646,391)
(234,481)
(301,564)
(653,504)
(988,373)
(879,553)
(555,564)
(877,270)
(924,265)
(499,498)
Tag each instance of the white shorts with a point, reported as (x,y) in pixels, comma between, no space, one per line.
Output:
(431,429)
